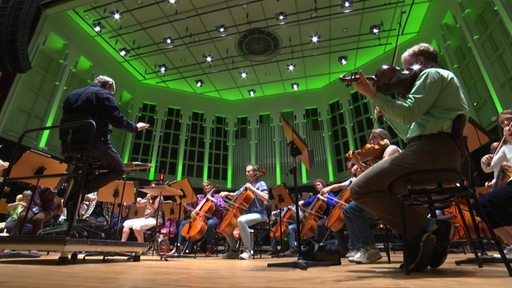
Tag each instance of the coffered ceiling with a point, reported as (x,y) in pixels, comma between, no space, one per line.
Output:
(180,35)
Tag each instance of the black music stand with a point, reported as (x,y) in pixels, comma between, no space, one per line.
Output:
(298,149)
(187,196)
(36,168)
(110,193)
(283,199)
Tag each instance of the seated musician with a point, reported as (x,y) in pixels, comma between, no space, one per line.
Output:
(291,231)
(358,220)
(151,204)
(255,213)
(497,204)
(43,207)
(329,198)
(212,220)
(15,208)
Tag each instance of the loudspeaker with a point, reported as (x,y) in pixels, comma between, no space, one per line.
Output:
(16,20)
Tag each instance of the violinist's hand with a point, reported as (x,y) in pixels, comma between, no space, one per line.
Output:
(377,113)
(364,87)
(486,160)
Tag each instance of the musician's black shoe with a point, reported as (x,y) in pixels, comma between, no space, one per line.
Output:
(420,248)
(444,234)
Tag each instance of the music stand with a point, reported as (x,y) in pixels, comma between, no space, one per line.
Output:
(298,149)
(37,168)
(283,199)
(111,192)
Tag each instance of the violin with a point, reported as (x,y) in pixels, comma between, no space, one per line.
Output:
(196,227)
(239,205)
(389,79)
(369,151)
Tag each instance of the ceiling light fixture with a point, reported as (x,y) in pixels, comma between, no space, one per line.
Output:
(295,86)
(343,59)
(251,92)
(199,83)
(208,58)
(173,1)
(375,29)
(281,17)
(243,74)
(168,40)
(291,67)
(116,14)
(162,68)
(315,38)
(221,29)
(347,6)
(97,26)
(123,52)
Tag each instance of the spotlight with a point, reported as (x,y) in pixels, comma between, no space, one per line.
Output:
(347,6)
(97,26)
(281,17)
(116,14)
(162,68)
(315,38)
(291,67)
(173,1)
(375,29)
(295,86)
(208,58)
(221,29)
(168,40)
(243,74)
(123,52)
(251,92)
(343,59)
(199,83)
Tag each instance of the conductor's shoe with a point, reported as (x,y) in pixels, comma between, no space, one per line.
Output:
(444,234)
(420,248)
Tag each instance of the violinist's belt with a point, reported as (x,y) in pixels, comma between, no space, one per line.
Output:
(431,136)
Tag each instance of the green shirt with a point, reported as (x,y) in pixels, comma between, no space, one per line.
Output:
(434,101)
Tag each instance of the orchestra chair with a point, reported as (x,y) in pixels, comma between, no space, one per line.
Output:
(438,189)
(258,232)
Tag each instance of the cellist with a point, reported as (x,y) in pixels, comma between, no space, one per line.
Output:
(330,202)
(212,220)
(255,213)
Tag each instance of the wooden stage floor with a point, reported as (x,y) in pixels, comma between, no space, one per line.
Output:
(217,272)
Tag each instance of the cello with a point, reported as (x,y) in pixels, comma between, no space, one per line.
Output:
(239,204)
(280,229)
(336,220)
(314,212)
(196,227)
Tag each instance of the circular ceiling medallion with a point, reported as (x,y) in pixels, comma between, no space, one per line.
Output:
(258,44)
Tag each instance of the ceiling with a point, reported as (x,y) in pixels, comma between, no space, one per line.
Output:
(254,41)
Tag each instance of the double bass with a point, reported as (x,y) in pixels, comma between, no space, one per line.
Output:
(238,206)
(196,227)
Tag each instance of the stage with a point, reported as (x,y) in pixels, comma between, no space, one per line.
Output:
(150,271)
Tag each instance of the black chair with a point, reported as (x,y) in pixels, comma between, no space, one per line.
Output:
(439,189)
(77,134)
